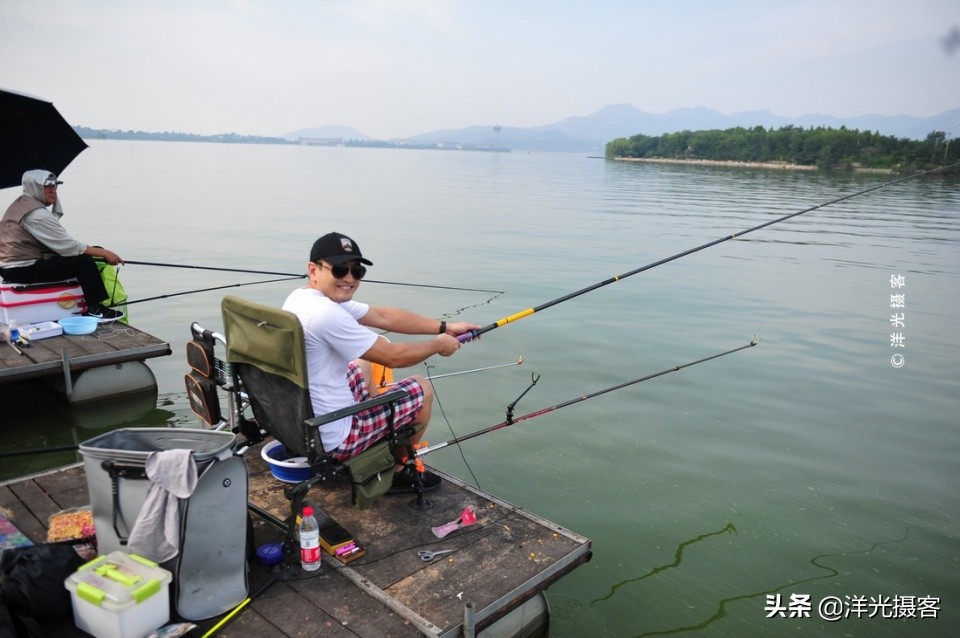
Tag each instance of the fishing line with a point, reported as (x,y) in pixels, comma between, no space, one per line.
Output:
(303,275)
(460,311)
(113,292)
(495,293)
(443,413)
(473,334)
(510,420)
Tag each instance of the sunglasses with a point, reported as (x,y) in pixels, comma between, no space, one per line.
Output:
(339,272)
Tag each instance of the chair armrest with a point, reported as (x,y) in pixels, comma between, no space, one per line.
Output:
(389,397)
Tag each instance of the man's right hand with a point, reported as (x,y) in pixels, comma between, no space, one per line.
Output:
(447,345)
(108,256)
(111,257)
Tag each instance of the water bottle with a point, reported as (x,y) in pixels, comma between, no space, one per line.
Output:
(309,541)
(14,331)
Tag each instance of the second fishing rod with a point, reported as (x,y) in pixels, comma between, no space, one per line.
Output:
(425,449)
(284,276)
(288,275)
(529,311)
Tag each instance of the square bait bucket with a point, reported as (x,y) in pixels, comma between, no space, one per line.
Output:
(116,461)
(120,596)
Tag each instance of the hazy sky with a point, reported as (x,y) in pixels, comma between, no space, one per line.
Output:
(395,68)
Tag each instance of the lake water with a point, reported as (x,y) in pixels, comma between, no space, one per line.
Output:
(807,466)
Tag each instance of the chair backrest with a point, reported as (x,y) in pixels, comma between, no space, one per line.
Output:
(265,349)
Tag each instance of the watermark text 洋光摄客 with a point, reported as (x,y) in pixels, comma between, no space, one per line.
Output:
(898,319)
(837,608)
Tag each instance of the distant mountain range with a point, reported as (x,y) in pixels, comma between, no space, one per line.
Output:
(590,133)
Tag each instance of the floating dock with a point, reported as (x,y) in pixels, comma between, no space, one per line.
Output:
(105,363)
(492,584)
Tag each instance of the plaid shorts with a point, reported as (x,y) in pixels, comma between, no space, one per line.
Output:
(371,425)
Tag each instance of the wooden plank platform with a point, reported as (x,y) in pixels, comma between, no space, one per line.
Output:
(110,344)
(507,558)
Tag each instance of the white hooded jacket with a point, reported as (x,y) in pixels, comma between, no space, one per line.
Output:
(43,224)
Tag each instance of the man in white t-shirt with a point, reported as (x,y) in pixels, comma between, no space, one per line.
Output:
(340,344)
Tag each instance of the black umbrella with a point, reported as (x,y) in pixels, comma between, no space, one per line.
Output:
(33,134)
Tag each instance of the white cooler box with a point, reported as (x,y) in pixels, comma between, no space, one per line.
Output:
(120,596)
(35,303)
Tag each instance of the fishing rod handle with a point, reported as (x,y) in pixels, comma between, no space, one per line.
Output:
(472,335)
(475,334)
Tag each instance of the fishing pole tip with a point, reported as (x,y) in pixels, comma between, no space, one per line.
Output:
(755,340)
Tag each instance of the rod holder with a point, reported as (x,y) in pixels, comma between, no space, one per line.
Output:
(67,378)
(469,621)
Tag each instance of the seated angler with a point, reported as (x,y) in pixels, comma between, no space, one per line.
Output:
(36,248)
(340,344)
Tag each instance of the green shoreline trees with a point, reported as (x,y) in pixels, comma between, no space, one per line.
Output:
(825,148)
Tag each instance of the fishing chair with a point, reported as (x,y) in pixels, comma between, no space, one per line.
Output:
(265,351)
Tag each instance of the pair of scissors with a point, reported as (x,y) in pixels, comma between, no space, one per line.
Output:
(426,555)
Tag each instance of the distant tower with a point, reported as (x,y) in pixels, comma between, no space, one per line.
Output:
(497,129)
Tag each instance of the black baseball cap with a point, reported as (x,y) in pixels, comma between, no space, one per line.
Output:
(337,249)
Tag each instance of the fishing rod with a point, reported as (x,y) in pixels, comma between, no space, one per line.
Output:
(241,270)
(303,275)
(518,362)
(510,420)
(236,610)
(190,292)
(473,334)
(39,450)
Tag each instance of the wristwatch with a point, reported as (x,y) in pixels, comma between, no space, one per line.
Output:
(443,327)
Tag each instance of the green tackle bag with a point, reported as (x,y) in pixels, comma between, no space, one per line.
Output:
(371,474)
(117,296)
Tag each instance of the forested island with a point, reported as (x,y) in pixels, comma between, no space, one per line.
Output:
(793,147)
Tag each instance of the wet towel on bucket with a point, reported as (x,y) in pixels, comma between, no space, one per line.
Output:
(156,534)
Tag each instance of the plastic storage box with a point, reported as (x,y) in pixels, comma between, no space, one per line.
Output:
(42,330)
(32,303)
(120,596)
(118,458)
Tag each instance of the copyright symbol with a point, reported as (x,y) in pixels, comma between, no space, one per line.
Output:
(831,609)
(897,360)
